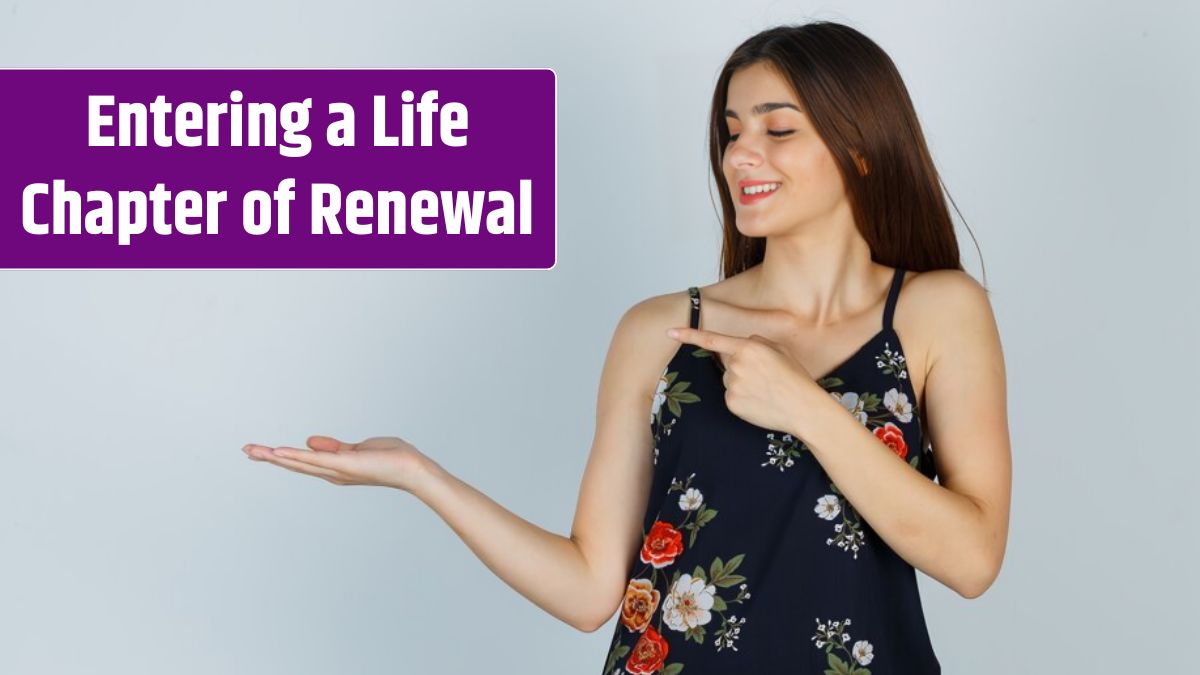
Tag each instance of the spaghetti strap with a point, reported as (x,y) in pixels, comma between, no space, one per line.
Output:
(694,293)
(890,308)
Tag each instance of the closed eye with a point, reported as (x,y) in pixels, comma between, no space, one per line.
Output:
(777,134)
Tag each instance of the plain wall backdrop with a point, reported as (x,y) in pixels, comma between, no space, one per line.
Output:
(135,537)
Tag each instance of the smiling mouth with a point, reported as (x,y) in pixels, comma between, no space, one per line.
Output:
(757,193)
(763,188)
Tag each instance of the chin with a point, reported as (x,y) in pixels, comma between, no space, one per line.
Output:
(757,227)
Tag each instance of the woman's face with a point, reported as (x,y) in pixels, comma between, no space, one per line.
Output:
(776,144)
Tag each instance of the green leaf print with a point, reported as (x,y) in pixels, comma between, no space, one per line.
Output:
(672,669)
(726,582)
(677,394)
(722,573)
(870,401)
(828,382)
(702,518)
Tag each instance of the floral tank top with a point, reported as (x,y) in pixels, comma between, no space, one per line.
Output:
(753,562)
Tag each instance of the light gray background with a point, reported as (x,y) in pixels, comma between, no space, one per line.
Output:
(135,537)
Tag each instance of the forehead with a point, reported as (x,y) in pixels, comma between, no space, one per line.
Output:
(755,85)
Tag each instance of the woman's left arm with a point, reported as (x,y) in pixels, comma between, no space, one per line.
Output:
(955,530)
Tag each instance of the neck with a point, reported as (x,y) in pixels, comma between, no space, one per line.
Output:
(821,275)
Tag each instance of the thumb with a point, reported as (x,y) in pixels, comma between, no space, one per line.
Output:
(328,444)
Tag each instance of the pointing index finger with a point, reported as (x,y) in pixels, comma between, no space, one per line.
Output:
(710,340)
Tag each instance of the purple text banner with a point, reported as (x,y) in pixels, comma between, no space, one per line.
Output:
(242,168)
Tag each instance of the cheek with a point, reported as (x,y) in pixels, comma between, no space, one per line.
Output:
(822,171)
(811,159)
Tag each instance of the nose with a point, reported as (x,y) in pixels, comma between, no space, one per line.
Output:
(742,154)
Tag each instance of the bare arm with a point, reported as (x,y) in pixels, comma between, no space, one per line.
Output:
(579,579)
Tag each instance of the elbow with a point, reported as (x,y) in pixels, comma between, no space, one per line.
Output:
(974,590)
(592,626)
(982,577)
(586,624)
(589,628)
(984,562)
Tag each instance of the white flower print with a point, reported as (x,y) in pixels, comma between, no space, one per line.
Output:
(834,636)
(691,500)
(851,401)
(897,402)
(863,652)
(688,603)
(828,507)
(730,631)
(782,452)
(659,396)
(848,534)
(892,362)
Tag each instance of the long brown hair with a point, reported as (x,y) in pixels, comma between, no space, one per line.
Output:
(856,100)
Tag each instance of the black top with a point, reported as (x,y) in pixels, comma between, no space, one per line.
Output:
(752,560)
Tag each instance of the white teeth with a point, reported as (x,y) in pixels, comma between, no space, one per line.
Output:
(756,189)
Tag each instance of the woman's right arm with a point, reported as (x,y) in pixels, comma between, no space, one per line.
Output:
(579,579)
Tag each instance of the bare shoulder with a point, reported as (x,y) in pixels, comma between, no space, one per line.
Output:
(640,343)
(939,286)
(950,306)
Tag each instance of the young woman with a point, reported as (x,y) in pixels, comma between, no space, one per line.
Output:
(826,419)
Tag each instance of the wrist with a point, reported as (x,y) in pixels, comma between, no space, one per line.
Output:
(811,403)
(424,477)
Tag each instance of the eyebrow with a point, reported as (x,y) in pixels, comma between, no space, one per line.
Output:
(763,108)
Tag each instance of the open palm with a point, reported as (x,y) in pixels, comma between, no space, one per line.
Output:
(383,460)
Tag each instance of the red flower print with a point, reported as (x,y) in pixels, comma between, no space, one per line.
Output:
(648,654)
(662,545)
(891,435)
